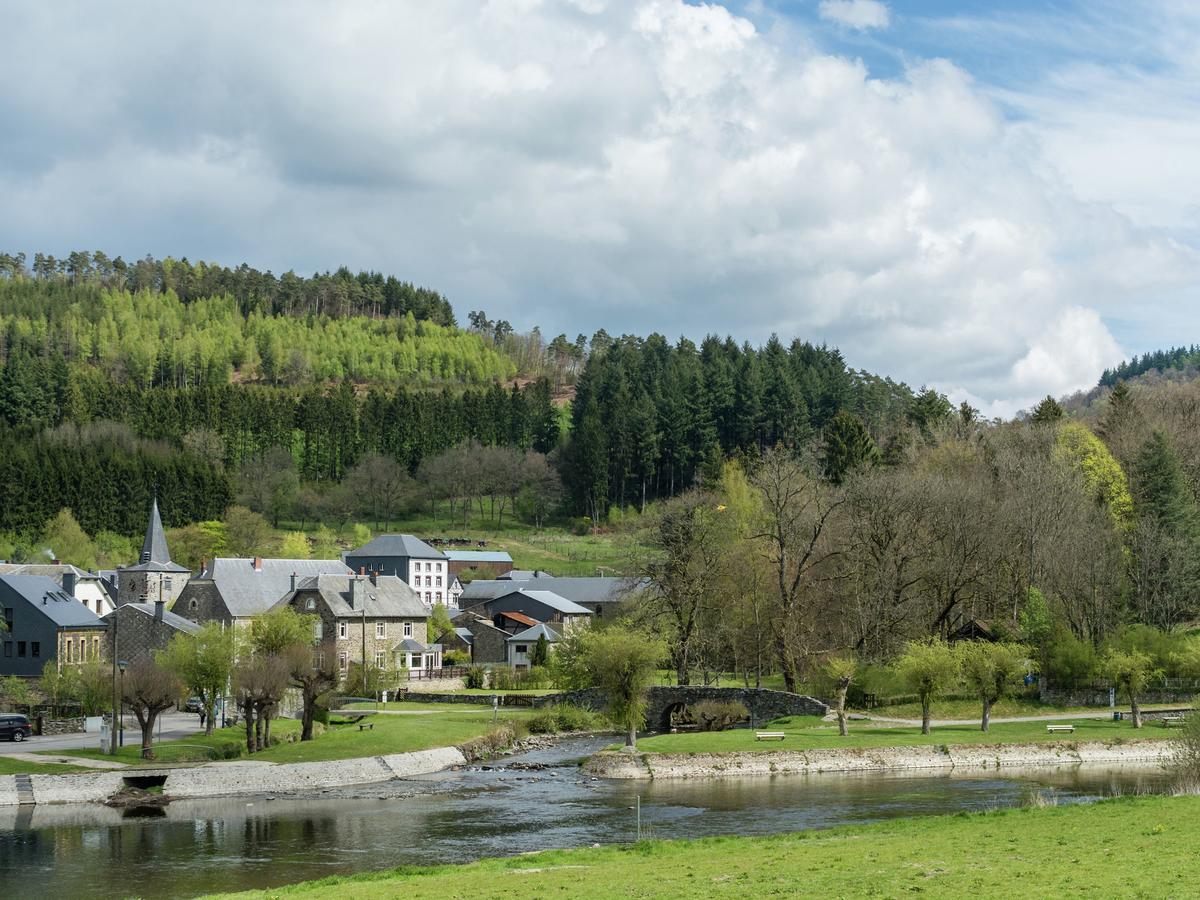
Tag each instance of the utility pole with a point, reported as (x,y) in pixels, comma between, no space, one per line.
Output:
(112,737)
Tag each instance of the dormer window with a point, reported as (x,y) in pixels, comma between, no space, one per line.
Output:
(311,604)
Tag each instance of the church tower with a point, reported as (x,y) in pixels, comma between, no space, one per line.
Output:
(154,577)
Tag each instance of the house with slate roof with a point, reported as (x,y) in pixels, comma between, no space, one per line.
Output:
(89,588)
(599,595)
(478,563)
(376,618)
(43,623)
(408,558)
(518,610)
(140,629)
(154,577)
(234,589)
(520,645)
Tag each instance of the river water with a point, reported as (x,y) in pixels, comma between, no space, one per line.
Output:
(200,846)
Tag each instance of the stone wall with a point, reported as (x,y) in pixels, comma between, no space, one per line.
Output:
(74,725)
(138,635)
(1098,696)
(763,705)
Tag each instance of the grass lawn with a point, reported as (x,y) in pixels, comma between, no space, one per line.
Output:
(489,693)
(443,726)
(1008,707)
(22,767)
(1142,847)
(810,733)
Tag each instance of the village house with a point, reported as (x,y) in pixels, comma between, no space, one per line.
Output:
(600,595)
(478,563)
(377,619)
(234,590)
(408,558)
(43,623)
(487,643)
(517,610)
(520,646)
(155,577)
(140,629)
(89,588)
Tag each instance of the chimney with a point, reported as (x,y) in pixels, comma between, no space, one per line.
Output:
(56,561)
(69,583)
(258,564)
(293,581)
(355,591)
(159,606)
(203,564)
(375,577)
(362,570)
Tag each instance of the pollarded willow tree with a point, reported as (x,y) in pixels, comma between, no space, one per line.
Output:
(621,662)
(992,670)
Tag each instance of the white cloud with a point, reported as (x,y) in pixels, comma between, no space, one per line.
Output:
(858,14)
(627,165)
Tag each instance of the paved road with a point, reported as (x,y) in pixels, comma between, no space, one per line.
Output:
(173,726)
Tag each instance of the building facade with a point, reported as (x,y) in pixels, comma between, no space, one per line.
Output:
(154,577)
(141,629)
(408,558)
(45,624)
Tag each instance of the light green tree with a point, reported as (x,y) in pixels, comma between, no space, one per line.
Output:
(1131,671)
(992,671)
(63,538)
(203,662)
(622,662)
(295,546)
(840,671)
(928,668)
(58,685)
(439,622)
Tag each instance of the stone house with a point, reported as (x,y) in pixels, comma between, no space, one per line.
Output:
(600,595)
(408,558)
(43,623)
(488,644)
(234,590)
(516,609)
(375,618)
(140,629)
(154,577)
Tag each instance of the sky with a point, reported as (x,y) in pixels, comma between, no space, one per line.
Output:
(997,200)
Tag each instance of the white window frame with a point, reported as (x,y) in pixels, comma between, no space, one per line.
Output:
(381,629)
(408,629)
(343,630)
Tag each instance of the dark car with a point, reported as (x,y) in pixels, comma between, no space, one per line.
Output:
(14,727)
(193,705)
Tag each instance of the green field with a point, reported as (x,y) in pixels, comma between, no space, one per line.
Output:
(1142,847)
(812,733)
(23,767)
(431,725)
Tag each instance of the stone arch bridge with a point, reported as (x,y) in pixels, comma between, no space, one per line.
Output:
(763,704)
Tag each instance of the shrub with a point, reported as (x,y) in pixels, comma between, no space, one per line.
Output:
(718,715)
(564,717)
(456,658)
(230,749)
(320,716)
(489,744)
(527,679)
(476,678)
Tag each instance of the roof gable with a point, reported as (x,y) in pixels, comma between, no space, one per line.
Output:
(46,597)
(397,545)
(248,589)
(387,597)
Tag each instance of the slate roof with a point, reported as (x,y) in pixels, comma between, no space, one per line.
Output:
(531,635)
(409,645)
(465,634)
(388,597)
(47,597)
(179,623)
(477,556)
(396,545)
(155,555)
(584,591)
(557,602)
(247,592)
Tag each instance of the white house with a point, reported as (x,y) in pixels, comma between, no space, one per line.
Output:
(522,644)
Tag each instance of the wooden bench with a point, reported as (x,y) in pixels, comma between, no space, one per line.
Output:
(366,725)
(1170,721)
(1057,729)
(769,735)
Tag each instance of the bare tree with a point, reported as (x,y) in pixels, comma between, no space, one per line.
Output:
(150,689)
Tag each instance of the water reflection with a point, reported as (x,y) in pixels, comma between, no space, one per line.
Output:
(209,845)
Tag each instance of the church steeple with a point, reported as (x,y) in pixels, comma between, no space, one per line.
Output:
(154,547)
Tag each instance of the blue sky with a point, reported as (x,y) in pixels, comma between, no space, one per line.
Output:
(996,199)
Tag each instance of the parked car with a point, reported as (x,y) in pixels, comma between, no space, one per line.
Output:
(14,727)
(193,705)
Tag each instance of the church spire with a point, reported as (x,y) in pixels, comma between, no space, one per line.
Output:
(154,547)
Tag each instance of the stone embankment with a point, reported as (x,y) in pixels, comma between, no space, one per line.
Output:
(227,778)
(648,766)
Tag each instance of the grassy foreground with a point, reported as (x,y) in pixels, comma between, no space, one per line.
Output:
(811,733)
(1141,847)
(24,767)
(429,726)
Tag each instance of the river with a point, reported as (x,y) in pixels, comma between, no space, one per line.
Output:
(200,846)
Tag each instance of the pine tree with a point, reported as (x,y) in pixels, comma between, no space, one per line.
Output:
(1048,412)
(847,447)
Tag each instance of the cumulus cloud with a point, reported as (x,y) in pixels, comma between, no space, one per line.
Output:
(635,165)
(858,14)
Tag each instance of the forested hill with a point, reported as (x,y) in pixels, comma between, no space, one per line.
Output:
(193,374)
(1176,358)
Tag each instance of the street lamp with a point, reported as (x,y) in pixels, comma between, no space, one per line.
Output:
(121,664)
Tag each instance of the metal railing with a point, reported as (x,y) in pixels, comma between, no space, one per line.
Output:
(435,674)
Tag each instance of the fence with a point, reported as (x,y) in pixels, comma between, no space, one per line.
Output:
(436,674)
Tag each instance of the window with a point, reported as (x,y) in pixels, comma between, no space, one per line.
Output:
(318,661)
(95,648)
(428,581)
(379,661)
(8,649)
(343,661)
(166,583)
(192,604)
(408,629)
(380,629)
(415,662)
(318,630)
(522,648)
(21,648)
(8,621)
(438,596)
(311,604)
(70,650)
(35,649)
(428,597)
(439,581)
(341,629)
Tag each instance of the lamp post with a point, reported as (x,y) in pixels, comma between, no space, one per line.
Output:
(121,664)
(112,738)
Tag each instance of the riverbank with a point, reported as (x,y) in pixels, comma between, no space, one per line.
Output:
(1116,848)
(650,766)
